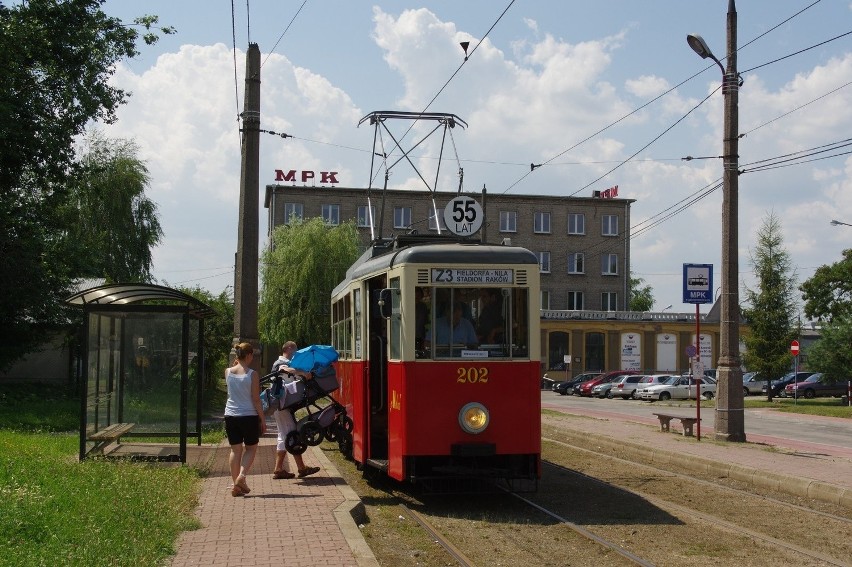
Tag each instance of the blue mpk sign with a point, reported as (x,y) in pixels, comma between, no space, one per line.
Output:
(698,283)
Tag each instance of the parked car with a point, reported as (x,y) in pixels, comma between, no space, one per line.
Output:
(567,388)
(815,385)
(603,388)
(752,383)
(679,388)
(651,380)
(626,386)
(585,388)
(778,386)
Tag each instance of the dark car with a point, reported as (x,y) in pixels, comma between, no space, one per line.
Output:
(789,378)
(567,388)
(815,385)
(585,389)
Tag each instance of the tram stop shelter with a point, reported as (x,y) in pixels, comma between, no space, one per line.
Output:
(141,371)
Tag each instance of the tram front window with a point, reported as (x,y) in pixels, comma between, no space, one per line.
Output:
(475,322)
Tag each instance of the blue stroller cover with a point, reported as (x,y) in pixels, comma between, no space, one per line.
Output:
(314,357)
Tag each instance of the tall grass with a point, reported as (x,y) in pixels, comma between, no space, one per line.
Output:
(55,510)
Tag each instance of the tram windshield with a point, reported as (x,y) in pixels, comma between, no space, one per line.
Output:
(453,322)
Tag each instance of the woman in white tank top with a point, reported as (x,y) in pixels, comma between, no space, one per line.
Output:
(244,420)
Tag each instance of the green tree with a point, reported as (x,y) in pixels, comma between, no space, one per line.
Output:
(641,296)
(299,270)
(832,354)
(56,60)
(828,293)
(771,310)
(112,226)
(828,298)
(218,334)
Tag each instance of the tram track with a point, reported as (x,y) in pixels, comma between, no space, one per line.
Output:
(599,509)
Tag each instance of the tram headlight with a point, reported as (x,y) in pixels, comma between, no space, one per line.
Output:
(474,418)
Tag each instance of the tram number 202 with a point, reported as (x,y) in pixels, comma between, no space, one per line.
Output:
(471,375)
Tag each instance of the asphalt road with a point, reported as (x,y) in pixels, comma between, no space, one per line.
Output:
(832,436)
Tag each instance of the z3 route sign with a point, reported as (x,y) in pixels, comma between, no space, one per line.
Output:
(698,283)
(463,216)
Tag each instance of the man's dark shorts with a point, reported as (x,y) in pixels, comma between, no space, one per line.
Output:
(242,429)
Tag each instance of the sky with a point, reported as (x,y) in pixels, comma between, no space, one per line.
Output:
(573,85)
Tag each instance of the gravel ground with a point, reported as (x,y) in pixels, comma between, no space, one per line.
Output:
(706,525)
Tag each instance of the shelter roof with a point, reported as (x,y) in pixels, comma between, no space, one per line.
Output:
(134,293)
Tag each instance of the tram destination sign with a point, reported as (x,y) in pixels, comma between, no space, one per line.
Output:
(464,276)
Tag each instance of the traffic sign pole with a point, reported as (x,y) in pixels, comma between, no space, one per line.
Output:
(794,350)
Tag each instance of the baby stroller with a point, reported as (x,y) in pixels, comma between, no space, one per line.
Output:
(323,416)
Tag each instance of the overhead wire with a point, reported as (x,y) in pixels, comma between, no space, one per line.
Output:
(280,37)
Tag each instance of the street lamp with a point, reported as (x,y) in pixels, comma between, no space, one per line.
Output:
(665,308)
(730,416)
(837,223)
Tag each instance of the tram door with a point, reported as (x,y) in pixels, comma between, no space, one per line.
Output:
(377,364)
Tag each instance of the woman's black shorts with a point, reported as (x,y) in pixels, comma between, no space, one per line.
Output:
(242,429)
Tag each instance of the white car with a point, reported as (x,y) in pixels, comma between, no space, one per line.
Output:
(679,388)
(651,380)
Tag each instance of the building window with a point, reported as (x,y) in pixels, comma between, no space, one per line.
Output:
(402,217)
(609,301)
(542,223)
(609,225)
(293,211)
(576,223)
(609,264)
(433,222)
(575,300)
(545,299)
(508,221)
(575,263)
(544,262)
(364,216)
(331,214)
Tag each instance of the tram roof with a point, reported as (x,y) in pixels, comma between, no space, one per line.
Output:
(386,255)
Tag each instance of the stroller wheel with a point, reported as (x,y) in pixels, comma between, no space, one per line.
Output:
(293,444)
(311,433)
(332,432)
(344,443)
(346,423)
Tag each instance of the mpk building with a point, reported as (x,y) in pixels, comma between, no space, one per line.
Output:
(583,246)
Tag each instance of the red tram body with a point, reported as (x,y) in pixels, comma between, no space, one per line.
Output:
(428,398)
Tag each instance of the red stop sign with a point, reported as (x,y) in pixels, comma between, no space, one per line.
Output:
(794,348)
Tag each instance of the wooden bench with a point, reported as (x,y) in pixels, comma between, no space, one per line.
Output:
(687,422)
(108,434)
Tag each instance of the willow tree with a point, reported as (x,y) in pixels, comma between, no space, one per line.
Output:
(111,226)
(300,268)
(771,307)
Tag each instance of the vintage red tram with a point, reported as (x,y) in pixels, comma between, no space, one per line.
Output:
(439,348)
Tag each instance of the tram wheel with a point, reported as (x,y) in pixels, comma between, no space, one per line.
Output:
(293,444)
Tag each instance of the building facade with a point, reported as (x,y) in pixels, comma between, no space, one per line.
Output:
(583,243)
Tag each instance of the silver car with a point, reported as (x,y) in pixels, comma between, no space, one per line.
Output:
(680,388)
(626,386)
(752,384)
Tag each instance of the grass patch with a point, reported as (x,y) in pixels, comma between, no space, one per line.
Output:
(830,407)
(55,510)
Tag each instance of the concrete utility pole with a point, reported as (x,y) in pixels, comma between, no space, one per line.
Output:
(730,418)
(246,273)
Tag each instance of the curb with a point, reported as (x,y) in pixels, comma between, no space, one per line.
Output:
(348,514)
(796,486)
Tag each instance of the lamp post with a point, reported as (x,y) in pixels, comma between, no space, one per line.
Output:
(667,307)
(838,223)
(730,417)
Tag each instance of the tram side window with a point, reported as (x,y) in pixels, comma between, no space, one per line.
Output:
(395,321)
